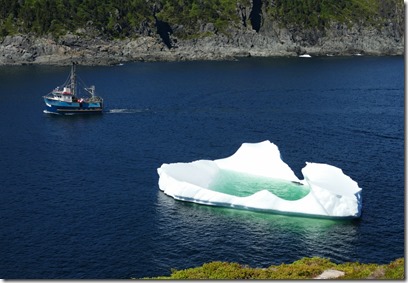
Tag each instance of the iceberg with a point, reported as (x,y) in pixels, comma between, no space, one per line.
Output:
(256,178)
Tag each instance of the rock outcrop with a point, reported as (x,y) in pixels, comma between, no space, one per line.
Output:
(330,274)
(244,41)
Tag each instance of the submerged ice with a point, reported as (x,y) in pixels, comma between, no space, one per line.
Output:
(256,178)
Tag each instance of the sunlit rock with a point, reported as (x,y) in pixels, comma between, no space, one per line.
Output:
(256,178)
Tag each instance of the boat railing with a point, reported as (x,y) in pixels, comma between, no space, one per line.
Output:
(94,99)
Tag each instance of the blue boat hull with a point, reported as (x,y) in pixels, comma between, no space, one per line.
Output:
(62,107)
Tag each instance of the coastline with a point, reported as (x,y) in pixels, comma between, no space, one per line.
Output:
(25,49)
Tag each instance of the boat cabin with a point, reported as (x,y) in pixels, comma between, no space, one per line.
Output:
(63,95)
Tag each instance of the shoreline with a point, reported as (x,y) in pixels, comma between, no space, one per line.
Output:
(33,50)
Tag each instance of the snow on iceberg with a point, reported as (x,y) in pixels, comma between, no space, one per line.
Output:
(256,178)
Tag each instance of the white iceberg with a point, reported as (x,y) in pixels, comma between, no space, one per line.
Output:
(256,178)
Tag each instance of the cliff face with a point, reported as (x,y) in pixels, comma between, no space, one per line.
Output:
(257,34)
(339,40)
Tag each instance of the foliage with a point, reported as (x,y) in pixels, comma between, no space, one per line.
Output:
(319,14)
(395,270)
(191,14)
(305,268)
(127,18)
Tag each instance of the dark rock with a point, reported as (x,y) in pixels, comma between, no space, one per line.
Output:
(237,41)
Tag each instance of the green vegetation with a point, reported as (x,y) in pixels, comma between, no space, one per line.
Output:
(319,14)
(110,17)
(191,13)
(306,268)
(120,18)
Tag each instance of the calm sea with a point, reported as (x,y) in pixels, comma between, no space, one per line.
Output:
(80,196)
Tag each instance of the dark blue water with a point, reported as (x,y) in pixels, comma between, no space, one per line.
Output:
(80,196)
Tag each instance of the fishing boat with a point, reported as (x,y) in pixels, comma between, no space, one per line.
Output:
(73,97)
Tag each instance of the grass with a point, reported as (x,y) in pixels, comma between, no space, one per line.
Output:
(305,268)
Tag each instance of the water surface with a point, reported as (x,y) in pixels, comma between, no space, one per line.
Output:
(80,196)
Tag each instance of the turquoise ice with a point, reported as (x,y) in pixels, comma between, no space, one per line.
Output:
(256,178)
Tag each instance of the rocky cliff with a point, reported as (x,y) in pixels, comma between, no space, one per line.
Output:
(256,35)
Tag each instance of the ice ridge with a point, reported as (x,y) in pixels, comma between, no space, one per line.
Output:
(331,193)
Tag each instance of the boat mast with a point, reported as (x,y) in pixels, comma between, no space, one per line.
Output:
(73,79)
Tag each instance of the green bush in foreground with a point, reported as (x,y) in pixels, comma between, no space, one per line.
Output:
(305,268)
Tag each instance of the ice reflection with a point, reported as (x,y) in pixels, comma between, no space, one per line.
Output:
(195,234)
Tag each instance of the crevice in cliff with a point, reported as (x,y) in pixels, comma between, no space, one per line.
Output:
(255,15)
(164,30)
(243,15)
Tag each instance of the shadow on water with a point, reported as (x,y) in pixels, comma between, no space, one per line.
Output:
(68,126)
(74,116)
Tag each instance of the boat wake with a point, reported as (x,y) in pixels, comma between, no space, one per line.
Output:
(58,114)
(110,111)
(126,111)
(49,112)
